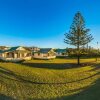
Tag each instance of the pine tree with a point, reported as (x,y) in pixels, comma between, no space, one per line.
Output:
(78,34)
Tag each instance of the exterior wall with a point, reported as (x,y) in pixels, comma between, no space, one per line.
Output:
(25,54)
(27,58)
(52,54)
(45,55)
(40,55)
(22,55)
(8,55)
(61,54)
(35,54)
(0,55)
(14,55)
(3,55)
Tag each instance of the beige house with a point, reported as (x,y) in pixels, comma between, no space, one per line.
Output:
(44,53)
(15,54)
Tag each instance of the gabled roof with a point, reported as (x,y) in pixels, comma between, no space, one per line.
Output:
(1,51)
(45,50)
(60,50)
(11,49)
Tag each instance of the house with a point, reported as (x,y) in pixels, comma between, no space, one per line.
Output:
(3,47)
(61,52)
(44,53)
(35,49)
(15,54)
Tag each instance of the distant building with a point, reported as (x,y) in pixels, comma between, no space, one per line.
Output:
(44,53)
(61,52)
(15,54)
(33,49)
(4,48)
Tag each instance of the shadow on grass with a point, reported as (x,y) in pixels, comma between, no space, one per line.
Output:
(50,65)
(96,67)
(15,77)
(56,66)
(89,93)
(4,97)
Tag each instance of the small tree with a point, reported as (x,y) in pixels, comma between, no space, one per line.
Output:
(78,34)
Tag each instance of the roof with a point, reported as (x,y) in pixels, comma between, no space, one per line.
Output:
(1,51)
(11,49)
(45,50)
(60,50)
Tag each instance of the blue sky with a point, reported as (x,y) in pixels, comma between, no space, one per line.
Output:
(43,23)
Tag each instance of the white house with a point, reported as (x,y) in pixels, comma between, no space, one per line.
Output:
(44,53)
(15,54)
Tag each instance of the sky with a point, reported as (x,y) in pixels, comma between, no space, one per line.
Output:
(43,23)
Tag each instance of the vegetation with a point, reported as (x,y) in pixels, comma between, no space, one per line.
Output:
(85,52)
(78,34)
(50,80)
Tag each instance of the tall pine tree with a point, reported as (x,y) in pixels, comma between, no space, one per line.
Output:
(78,34)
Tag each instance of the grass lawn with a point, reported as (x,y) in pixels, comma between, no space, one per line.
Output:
(58,79)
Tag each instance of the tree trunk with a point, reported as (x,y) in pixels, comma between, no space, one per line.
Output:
(78,60)
(78,48)
(78,55)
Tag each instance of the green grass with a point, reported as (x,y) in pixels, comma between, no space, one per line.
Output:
(58,79)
